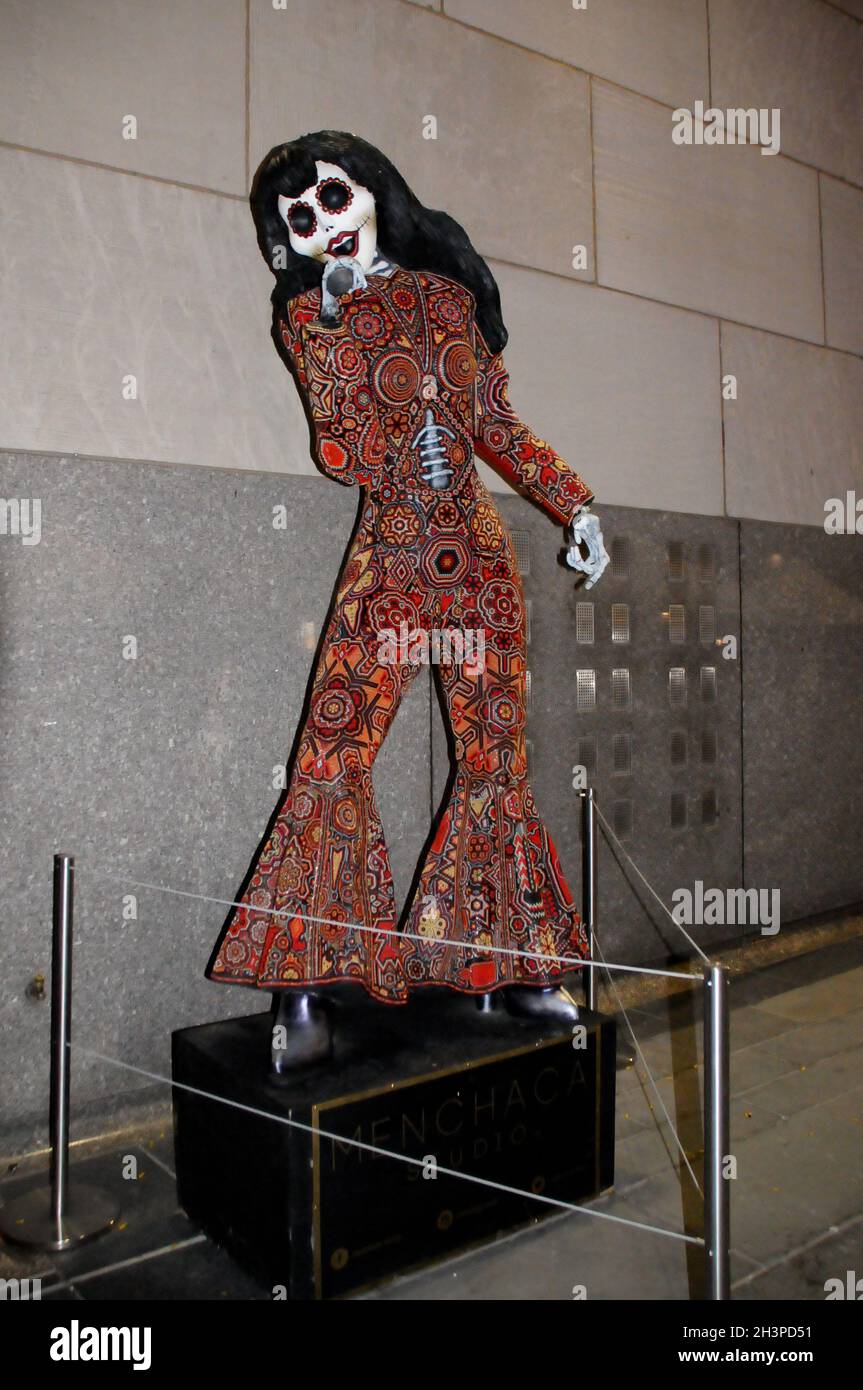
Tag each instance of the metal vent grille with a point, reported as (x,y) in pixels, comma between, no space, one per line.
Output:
(708,747)
(620,622)
(584,625)
(585,690)
(528,615)
(708,685)
(621,751)
(528,691)
(676,623)
(521,546)
(587,754)
(620,557)
(707,562)
(678,751)
(676,561)
(707,624)
(621,689)
(709,807)
(677,811)
(677,687)
(621,819)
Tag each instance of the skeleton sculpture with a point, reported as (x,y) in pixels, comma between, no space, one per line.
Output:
(391,324)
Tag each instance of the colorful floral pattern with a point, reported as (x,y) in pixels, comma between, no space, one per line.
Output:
(492,907)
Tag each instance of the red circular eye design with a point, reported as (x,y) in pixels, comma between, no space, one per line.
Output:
(334,195)
(302,220)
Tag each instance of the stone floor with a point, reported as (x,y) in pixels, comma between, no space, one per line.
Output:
(797,1201)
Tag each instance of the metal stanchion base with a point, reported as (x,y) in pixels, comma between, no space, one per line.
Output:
(29,1219)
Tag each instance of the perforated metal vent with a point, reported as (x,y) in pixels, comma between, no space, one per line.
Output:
(676,623)
(584,625)
(521,546)
(528,615)
(528,691)
(585,690)
(708,685)
(707,624)
(707,562)
(677,811)
(677,687)
(678,749)
(676,561)
(708,747)
(587,754)
(621,553)
(709,807)
(620,622)
(621,688)
(621,750)
(621,819)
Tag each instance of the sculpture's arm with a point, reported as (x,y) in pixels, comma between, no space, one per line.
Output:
(515,452)
(533,467)
(333,382)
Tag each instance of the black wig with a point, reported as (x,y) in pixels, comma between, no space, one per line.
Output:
(409,234)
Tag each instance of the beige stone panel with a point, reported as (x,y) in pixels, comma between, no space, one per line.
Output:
(804,57)
(842,241)
(658,48)
(122,276)
(793,436)
(512,156)
(71,70)
(625,390)
(719,228)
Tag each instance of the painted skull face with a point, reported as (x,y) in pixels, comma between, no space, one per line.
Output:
(333,217)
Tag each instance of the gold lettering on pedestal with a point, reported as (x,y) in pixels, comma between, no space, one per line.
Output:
(418,1133)
(453,1100)
(345,1146)
(555,1093)
(495,1104)
(477,1122)
(489,1105)
(381,1136)
(515,1097)
(577,1078)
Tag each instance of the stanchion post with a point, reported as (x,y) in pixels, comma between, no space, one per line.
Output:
(716,1134)
(61,1022)
(588,889)
(66,1212)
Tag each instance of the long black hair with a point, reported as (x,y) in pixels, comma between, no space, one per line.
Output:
(409,234)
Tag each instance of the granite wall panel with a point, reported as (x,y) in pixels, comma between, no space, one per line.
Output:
(802,673)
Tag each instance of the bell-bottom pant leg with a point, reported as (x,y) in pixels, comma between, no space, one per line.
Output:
(492,907)
(320,906)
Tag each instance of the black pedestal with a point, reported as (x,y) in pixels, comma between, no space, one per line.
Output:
(311,1214)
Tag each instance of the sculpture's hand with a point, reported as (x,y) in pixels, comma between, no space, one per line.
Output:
(584,531)
(340,277)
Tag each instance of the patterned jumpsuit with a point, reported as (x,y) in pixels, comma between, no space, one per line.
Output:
(320,906)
